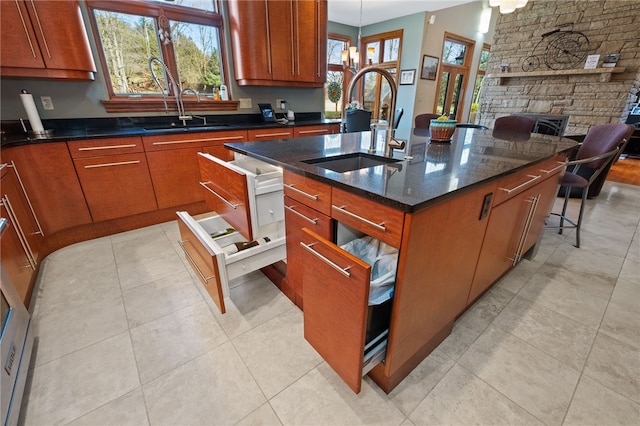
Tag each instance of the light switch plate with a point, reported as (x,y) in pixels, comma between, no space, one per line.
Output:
(245,103)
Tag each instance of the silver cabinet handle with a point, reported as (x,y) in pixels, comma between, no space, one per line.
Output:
(44,38)
(119,163)
(292,210)
(533,178)
(301,192)
(560,165)
(230,204)
(525,230)
(264,135)
(26,32)
(306,132)
(266,15)
(24,191)
(193,262)
(227,138)
(294,52)
(379,226)
(96,148)
(343,271)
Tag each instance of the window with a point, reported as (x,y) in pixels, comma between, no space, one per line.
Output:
(337,79)
(482,69)
(452,82)
(186,36)
(383,50)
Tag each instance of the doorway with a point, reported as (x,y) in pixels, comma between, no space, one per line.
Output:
(457,53)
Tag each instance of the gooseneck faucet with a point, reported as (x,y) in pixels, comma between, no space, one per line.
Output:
(176,90)
(390,143)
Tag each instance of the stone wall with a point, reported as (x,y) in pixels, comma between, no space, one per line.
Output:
(612,26)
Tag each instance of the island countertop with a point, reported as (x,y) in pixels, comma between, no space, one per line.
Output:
(427,172)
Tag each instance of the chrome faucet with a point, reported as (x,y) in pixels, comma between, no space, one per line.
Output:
(390,143)
(176,89)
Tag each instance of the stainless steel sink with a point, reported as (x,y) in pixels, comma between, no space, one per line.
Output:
(348,162)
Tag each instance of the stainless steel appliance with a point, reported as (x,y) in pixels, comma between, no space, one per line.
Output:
(16,344)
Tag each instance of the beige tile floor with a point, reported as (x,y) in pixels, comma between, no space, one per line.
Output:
(126,336)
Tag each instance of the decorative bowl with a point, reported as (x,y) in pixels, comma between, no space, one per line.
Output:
(442,130)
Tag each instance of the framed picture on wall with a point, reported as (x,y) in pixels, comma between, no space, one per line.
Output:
(429,67)
(407,76)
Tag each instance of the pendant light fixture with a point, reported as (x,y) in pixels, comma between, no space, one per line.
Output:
(351,57)
(508,6)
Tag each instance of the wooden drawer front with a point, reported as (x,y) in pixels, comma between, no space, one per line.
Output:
(218,151)
(203,263)
(188,140)
(316,130)
(108,146)
(298,216)
(116,185)
(379,221)
(269,134)
(308,191)
(226,193)
(514,184)
(335,311)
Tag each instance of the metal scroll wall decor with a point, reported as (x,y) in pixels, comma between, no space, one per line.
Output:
(564,49)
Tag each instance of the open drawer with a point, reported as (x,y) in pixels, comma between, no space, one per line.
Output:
(338,321)
(214,267)
(246,192)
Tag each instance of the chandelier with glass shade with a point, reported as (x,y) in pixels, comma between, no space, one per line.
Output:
(351,56)
(508,6)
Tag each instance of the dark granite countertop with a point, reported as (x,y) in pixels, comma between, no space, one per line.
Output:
(426,173)
(76,129)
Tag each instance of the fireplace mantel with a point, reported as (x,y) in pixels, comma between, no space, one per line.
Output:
(604,73)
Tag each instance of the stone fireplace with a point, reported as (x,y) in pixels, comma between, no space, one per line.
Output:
(587,96)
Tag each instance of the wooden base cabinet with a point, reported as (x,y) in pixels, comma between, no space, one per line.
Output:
(173,163)
(517,219)
(114,176)
(245,200)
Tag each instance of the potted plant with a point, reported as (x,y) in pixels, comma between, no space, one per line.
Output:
(442,129)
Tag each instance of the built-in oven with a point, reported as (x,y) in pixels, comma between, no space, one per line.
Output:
(16,344)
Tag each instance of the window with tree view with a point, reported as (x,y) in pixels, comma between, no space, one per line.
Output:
(184,35)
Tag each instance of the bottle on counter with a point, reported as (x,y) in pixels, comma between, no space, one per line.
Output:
(236,247)
(224,94)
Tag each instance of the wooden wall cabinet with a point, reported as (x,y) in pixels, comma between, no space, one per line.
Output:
(279,43)
(173,163)
(44,39)
(114,176)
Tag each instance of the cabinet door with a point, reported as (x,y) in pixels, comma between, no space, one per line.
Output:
(250,40)
(282,39)
(310,192)
(226,192)
(19,44)
(507,225)
(63,46)
(204,263)
(60,204)
(336,294)
(116,185)
(310,41)
(19,207)
(297,217)
(15,260)
(175,177)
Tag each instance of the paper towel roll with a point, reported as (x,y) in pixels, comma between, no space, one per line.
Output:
(32,111)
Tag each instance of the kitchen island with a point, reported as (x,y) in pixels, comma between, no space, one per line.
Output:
(460,216)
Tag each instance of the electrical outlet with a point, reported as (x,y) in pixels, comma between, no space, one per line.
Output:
(245,103)
(47,103)
(280,103)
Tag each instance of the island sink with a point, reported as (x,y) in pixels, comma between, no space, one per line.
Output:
(349,162)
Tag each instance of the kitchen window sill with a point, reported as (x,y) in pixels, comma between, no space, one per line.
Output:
(142,104)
